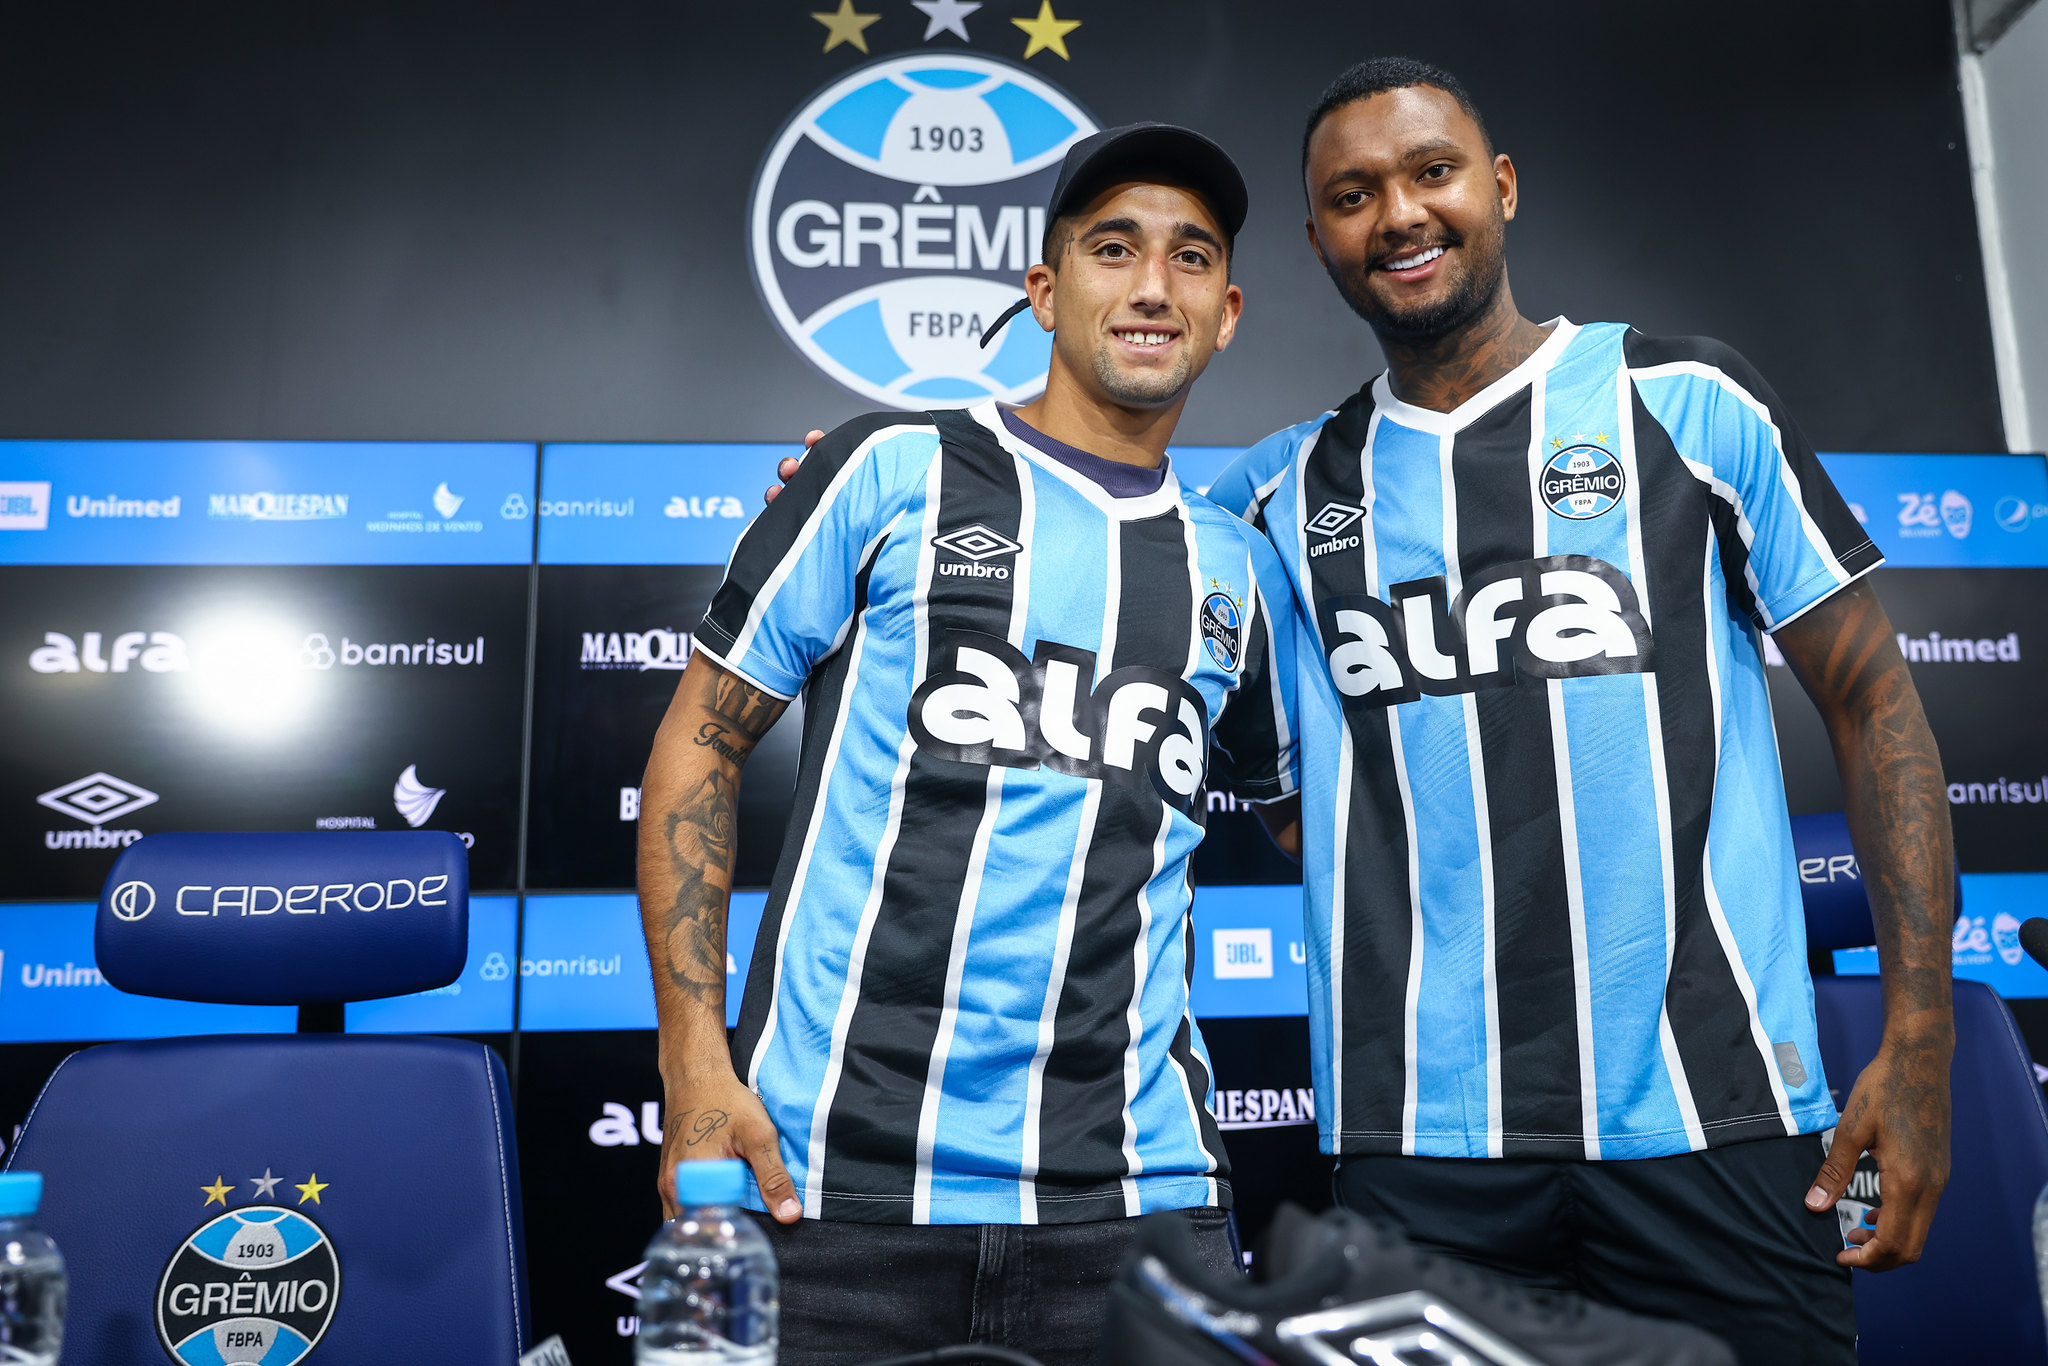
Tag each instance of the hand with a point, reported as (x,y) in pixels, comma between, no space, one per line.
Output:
(786,470)
(722,1118)
(1899,1114)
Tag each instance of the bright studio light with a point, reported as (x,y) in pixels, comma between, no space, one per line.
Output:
(247,678)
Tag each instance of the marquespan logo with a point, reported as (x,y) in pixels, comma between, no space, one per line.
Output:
(1582,481)
(893,220)
(256,1286)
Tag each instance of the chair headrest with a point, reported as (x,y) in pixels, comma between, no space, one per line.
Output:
(1831,884)
(285,919)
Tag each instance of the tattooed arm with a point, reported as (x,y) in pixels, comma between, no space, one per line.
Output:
(1847,658)
(687,816)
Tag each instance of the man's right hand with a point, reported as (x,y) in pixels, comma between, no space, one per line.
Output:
(722,1118)
(786,471)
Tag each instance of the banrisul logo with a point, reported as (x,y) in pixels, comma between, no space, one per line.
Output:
(895,216)
(255,1285)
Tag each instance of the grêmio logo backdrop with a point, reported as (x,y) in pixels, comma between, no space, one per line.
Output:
(893,219)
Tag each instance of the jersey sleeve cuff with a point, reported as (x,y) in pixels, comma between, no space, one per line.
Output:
(782,689)
(1859,560)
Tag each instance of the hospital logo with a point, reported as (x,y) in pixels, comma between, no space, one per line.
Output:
(1581,481)
(893,220)
(251,1286)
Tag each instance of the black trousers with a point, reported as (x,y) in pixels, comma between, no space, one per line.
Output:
(861,1292)
(1720,1239)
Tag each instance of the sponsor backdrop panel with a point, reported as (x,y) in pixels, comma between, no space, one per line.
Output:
(685,503)
(1976,641)
(243,698)
(613,640)
(265,502)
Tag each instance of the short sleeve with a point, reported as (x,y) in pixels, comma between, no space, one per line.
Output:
(790,589)
(1253,749)
(1788,539)
(1249,480)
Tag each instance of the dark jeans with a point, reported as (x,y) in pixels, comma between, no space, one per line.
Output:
(862,1292)
(1719,1239)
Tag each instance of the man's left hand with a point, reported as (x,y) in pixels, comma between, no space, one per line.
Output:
(1899,1114)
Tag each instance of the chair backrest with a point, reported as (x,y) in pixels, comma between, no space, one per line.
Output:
(1972,1296)
(246,1200)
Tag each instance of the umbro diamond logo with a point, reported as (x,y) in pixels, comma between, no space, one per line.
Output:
(1333,519)
(976,542)
(97,797)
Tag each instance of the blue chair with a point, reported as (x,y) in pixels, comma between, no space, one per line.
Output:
(247,1199)
(1972,1296)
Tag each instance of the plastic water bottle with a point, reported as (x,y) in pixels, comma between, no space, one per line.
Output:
(32,1281)
(708,1293)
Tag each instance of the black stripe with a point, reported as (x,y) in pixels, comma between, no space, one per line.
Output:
(821,713)
(1534,975)
(871,1129)
(1183,1052)
(1377,908)
(1709,1018)
(771,535)
(1081,1126)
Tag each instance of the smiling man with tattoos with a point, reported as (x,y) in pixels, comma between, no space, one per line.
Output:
(1562,1021)
(965,1060)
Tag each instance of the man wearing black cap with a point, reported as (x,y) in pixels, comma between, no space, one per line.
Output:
(965,1060)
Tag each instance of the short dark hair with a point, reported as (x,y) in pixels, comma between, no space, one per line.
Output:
(1377,75)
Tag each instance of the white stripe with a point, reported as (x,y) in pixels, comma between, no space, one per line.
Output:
(1660,779)
(817,821)
(1722,932)
(1134,1161)
(1063,941)
(1786,475)
(849,994)
(791,557)
(970,887)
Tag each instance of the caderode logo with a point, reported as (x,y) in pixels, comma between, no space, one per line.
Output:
(1562,616)
(894,217)
(1140,726)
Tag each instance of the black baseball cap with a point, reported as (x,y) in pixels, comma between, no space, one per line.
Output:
(1143,152)
(1151,151)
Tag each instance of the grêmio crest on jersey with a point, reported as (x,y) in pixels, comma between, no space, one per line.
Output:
(1560,616)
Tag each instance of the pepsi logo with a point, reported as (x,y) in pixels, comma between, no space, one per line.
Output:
(893,220)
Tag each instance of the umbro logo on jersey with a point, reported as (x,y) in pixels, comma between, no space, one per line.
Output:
(986,704)
(974,544)
(1562,616)
(1333,518)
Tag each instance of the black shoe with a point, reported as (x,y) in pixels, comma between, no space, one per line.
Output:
(1341,1289)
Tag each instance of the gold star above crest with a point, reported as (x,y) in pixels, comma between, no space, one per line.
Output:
(218,1191)
(1047,32)
(1557,443)
(1601,438)
(844,25)
(310,1188)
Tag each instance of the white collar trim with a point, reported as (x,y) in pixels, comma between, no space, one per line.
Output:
(1162,499)
(1562,330)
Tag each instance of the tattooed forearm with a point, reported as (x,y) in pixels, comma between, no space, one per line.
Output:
(687,834)
(1847,657)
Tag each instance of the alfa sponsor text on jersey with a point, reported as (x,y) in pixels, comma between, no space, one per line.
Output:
(969,998)
(1552,899)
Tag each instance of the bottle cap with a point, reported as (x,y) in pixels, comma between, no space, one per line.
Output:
(20,1193)
(722,1181)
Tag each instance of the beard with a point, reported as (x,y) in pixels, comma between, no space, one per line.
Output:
(1470,295)
(1144,388)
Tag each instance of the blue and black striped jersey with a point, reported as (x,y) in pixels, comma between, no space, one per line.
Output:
(969,999)
(1551,897)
